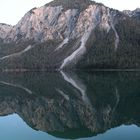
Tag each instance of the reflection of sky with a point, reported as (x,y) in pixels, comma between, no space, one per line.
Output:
(12,127)
(120,133)
(11,11)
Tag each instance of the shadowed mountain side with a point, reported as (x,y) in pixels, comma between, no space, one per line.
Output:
(66,104)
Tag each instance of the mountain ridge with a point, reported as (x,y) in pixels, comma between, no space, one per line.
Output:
(64,33)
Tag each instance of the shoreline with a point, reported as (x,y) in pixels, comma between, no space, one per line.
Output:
(69,70)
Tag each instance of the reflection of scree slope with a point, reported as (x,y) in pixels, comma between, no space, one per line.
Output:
(57,104)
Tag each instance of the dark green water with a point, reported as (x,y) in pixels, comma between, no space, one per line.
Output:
(80,105)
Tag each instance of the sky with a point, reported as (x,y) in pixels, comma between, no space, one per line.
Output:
(11,11)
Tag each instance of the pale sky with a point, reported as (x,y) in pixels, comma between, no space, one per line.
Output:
(11,11)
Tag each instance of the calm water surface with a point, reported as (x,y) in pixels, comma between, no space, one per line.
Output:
(80,105)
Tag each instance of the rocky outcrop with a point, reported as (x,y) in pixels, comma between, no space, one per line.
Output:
(134,14)
(5,30)
(53,21)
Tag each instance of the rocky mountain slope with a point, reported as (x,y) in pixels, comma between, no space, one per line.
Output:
(71,34)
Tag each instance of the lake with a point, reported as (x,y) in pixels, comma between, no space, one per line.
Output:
(70,105)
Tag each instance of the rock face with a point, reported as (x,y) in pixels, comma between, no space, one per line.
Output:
(135,14)
(5,30)
(54,22)
(70,34)
(67,102)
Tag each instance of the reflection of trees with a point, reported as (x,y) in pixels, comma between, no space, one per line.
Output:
(62,102)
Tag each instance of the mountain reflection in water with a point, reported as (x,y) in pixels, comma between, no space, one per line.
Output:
(72,105)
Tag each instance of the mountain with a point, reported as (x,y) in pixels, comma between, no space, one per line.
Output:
(76,34)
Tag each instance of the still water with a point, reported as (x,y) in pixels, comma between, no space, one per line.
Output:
(80,105)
